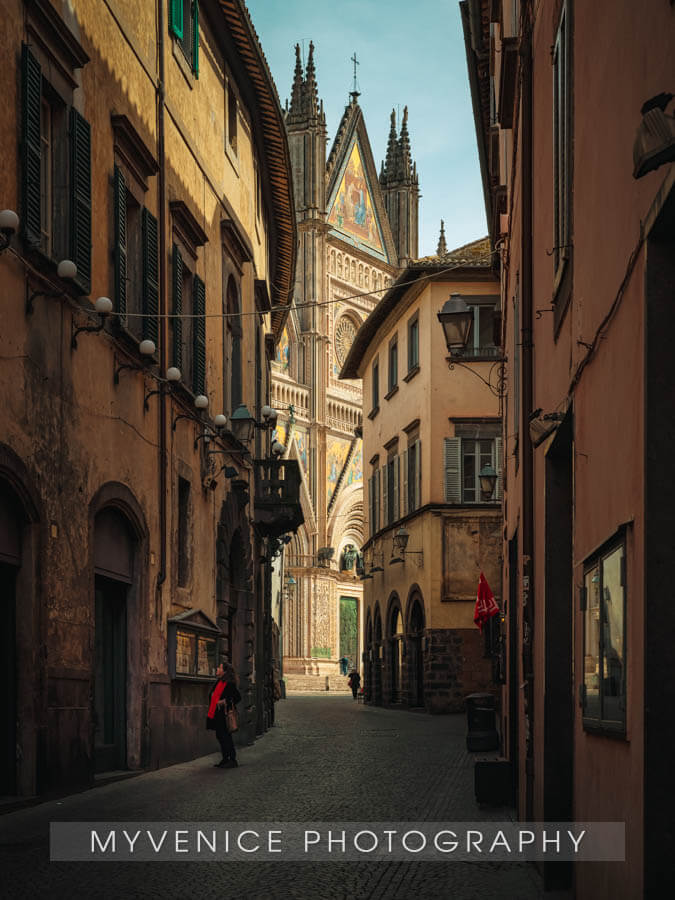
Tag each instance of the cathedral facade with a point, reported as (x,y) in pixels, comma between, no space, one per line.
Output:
(356,231)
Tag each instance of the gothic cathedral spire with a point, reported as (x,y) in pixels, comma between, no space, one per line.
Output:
(442,248)
(400,190)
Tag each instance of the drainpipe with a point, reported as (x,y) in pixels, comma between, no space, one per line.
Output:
(163,321)
(527,361)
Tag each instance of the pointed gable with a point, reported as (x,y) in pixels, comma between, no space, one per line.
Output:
(352,209)
(356,212)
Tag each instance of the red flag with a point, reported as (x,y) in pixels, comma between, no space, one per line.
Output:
(486,605)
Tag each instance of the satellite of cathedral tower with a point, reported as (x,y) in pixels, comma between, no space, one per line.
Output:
(356,232)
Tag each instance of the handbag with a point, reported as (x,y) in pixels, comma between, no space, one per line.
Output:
(231,720)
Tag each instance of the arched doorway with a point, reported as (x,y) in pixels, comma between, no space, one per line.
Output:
(10,565)
(368,668)
(396,654)
(114,551)
(416,654)
(377,661)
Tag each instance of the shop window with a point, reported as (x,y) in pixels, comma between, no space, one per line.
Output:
(604,660)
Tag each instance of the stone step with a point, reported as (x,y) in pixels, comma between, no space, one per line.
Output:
(336,684)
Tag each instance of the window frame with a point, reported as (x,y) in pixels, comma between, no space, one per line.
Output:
(414,357)
(374,388)
(601,724)
(392,367)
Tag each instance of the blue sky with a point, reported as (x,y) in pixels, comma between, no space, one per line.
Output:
(410,54)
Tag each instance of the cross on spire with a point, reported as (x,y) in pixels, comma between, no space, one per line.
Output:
(354,93)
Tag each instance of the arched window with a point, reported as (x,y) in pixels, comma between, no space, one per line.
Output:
(367,278)
(233,345)
(353,270)
(339,265)
(361,276)
(332,261)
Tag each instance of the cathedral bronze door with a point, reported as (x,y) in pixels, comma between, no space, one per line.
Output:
(349,630)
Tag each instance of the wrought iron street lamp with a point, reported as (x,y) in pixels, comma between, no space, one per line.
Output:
(456,318)
(488,480)
(242,424)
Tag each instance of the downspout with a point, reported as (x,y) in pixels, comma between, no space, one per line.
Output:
(163,321)
(527,389)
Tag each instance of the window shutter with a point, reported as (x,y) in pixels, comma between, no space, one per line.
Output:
(404,491)
(418,475)
(31,99)
(452,447)
(499,487)
(176,18)
(150,277)
(120,251)
(385,495)
(177,307)
(377,500)
(80,156)
(371,511)
(199,336)
(195,37)
(395,503)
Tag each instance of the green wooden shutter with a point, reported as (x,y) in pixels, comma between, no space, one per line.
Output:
(176,17)
(418,475)
(177,307)
(395,501)
(195,37)
(80,156)
(371,504)
(453,492)
(150,277)
(385,495)
(120,250)
(404,491)
(199,336)
(499,489)
(31,101)
(377,500)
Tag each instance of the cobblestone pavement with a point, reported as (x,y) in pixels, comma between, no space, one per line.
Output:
(328,759)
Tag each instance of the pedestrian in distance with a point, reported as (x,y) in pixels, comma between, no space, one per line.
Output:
(344,665)
(223,699)
(354,682)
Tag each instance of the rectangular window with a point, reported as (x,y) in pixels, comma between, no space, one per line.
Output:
(375,386)
(414,476)
(413,343)
(604,602)
(465,457)
(393,364)
(232,118)
(183,534)
(561,145)
(391,473)
(184,24)
(374,499)
(481,341)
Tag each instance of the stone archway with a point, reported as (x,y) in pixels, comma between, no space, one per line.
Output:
(395,634)
(118,553)
(236,607)
(415,624)
(22,703)
(377,657)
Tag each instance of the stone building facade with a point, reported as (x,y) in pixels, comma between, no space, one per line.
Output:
(351,247)
(145,144)
(427,433)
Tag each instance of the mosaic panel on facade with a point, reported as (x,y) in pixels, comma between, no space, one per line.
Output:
(355,471)
(283,356)
(302,443)
(353,211)
(337,450)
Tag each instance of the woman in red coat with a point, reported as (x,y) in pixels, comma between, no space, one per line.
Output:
(223,697)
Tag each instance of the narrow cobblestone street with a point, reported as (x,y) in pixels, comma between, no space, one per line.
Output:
(327,759)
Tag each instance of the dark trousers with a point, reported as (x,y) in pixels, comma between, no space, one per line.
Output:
(355,690)
(224,737)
